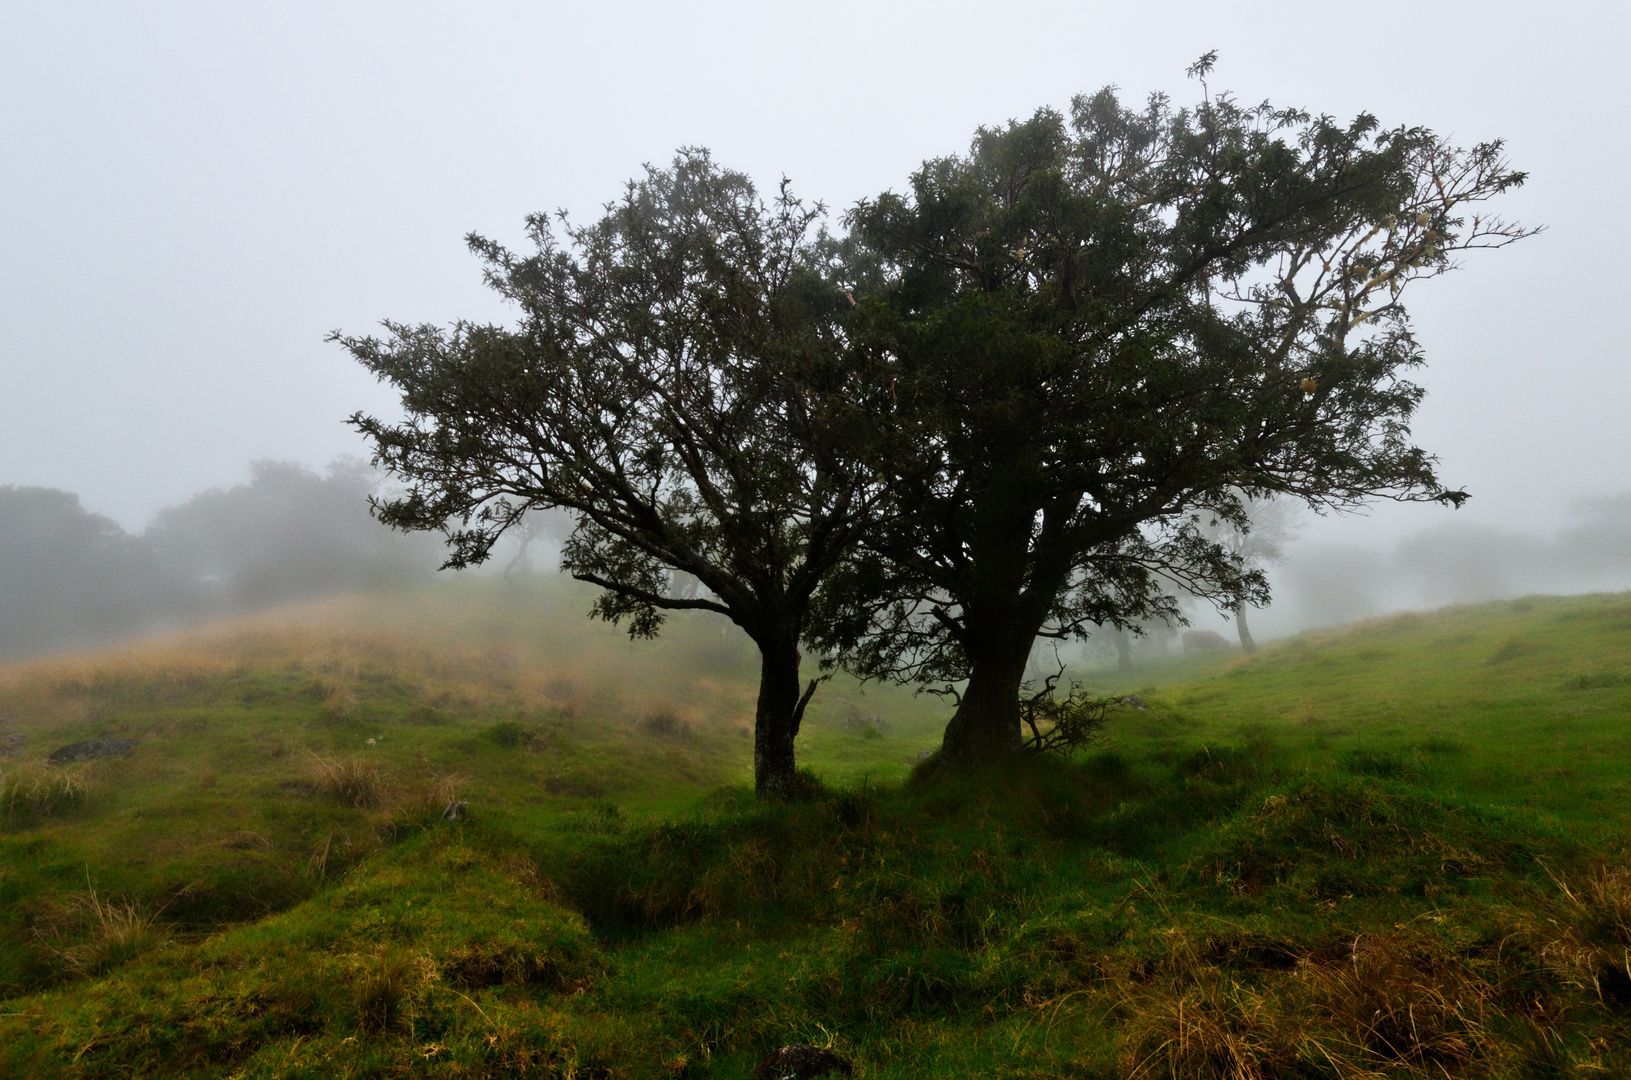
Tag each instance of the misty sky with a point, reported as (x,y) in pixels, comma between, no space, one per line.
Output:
(193,195)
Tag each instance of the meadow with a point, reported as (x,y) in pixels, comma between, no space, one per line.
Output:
(1393,849)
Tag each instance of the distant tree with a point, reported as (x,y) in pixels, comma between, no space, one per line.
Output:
(69,577)
(678,383)
(1270,525)
(1104,328)
(287,534)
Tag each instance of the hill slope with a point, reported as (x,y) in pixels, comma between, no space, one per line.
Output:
(1395,848)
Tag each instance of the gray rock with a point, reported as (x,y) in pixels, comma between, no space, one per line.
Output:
(455,810)
(91,750)
(1204,641)
(1132,701)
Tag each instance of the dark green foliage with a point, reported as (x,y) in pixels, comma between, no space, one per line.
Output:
(678,384)
(1105,330)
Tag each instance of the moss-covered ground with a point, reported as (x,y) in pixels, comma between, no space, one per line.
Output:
(1398,848)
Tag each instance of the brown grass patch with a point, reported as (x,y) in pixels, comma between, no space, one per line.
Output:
(104,933)
(1377,1004)
(33,792)
(351,781)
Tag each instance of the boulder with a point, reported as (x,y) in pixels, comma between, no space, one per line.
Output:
(1204,641)
(91,750)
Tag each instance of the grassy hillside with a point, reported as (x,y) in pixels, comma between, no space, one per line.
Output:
(1396,849)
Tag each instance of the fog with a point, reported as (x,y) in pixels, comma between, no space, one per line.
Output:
(1326,583)
(70,578)
(196,194)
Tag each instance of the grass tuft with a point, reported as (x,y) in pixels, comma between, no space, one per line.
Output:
(1598,680)
(385,991)
(33,793)
(350,781)
(109,934)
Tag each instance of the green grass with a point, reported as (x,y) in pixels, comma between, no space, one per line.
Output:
(1393,849)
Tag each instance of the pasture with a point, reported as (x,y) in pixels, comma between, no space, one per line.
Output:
(1397,848)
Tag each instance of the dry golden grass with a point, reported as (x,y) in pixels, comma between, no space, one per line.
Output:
(350,781)
(1192,1020)
(1380,1005)
(87,935)
(1585,938)
(455,657)
(37,791)
(1400,1000)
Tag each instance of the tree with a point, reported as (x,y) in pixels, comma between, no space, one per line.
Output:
(287,534)
(1103,330)
(68,576)
(1262,542)
(677,383)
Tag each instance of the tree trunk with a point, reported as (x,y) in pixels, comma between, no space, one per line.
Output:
(1246,643)
(985,729)
(1124,651)
(776,720)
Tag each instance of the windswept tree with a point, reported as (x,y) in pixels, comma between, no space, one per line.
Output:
(676,381)
(1105,328)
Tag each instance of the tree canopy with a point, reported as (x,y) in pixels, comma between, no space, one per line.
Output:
(1106,328)
(677,382)
(1009,403)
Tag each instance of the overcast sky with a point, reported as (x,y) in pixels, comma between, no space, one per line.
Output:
(193,195)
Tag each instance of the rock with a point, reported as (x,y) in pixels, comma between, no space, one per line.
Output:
(1132,701)
(455,810)
(802,1062)
(845,715)
(1204,641)
(925,755)
(91,750)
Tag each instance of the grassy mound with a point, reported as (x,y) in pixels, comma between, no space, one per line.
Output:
(1397,849)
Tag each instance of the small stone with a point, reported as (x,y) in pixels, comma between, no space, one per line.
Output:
(91,750)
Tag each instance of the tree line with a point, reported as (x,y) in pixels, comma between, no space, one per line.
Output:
(69,577)
(1024,398)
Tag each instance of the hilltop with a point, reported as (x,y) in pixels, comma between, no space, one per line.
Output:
(1398,847)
